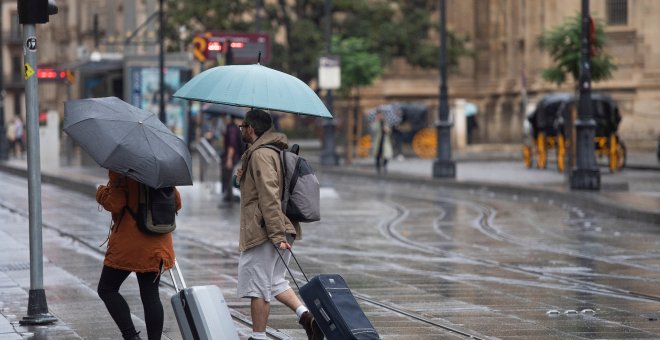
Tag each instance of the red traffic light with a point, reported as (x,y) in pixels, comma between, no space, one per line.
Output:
(52,74)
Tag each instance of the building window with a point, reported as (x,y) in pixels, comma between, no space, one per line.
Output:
(16,69)
(15,28)
(617,12)
(17,105)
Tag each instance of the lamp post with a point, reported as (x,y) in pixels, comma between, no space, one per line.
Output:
(586,175)
(161,65)
(443,166)
(328,154)
(4,145)
(32,13)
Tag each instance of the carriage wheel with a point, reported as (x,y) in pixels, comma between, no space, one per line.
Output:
(561,152)
(541,160)
(617,154)
(602,147)
(424,143)
(527,155)
(364,145)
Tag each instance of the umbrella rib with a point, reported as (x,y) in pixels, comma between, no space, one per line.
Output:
(167,145)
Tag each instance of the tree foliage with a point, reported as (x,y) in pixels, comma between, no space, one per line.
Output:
(359,66)
(563,44)
(385,28)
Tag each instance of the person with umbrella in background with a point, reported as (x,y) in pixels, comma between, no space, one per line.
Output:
(138,150)
(382,132)
(471,118)
(265,230)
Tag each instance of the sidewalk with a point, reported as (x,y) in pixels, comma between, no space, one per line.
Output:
(632,192)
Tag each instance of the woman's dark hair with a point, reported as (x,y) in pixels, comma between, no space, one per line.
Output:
(259,120)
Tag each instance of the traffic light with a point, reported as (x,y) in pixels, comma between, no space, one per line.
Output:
(592,37)
(35,11)
(229,53)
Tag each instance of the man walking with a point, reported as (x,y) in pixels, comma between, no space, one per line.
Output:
(265,230)
(233,148)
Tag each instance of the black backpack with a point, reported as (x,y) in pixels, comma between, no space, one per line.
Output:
(156,210)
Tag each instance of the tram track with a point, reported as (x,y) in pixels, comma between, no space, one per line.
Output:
(484,222)
(236,315)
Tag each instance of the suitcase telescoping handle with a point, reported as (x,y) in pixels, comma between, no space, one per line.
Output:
(287,267)
(178,271)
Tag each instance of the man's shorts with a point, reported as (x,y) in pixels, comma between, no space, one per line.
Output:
(261,272)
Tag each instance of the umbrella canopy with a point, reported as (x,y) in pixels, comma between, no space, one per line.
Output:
(223,109)
(128,140)
(470,109)
(391,113)
(254,86)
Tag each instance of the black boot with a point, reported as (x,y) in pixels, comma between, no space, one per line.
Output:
(135,336)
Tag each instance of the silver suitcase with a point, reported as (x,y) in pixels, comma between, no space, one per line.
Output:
(201,311)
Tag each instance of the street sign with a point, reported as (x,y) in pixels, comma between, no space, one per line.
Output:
(329,72)
(55,75)
(245,46)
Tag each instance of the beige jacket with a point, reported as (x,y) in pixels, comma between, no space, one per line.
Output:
(262,218)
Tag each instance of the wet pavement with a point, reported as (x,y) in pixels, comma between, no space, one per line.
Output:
(500,252)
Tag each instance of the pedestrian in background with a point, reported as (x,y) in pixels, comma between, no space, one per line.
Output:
(132,250)
(10,132)
(382,142)
(471,111)
(19,132)
(264,229)
(231,155)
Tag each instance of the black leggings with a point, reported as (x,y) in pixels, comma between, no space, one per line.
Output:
(109,283)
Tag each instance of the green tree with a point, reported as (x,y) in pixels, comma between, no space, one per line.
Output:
(359,66)
(563,44)
(206,15)
(388,28)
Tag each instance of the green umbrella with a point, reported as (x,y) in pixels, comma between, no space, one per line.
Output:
(254,86)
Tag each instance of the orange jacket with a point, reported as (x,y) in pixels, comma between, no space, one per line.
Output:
(128,247)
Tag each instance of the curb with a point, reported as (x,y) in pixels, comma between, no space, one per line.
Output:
(86,187)
(589,200)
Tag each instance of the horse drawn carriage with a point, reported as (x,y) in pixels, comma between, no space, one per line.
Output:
(552,125)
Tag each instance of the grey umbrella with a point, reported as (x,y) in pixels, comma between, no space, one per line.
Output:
(391,113)
(128,140)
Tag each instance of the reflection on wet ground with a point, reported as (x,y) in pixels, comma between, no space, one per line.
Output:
(424,262)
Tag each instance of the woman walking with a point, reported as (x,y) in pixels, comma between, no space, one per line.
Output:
(382,142)
(131,250)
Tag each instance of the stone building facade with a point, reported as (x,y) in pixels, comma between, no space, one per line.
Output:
(502,33)
(507,60)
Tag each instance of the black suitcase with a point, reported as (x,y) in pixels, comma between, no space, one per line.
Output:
(334,307)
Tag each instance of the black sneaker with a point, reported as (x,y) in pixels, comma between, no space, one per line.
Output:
(311,327)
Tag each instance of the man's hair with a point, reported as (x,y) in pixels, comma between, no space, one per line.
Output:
(259,120)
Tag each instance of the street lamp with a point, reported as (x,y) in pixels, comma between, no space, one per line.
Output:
(161,64)
(30,13)
(328,154)
(586,175)
(443,166)
(4,145)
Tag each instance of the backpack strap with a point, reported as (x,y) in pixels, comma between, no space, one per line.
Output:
(281,155)
(127,208)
